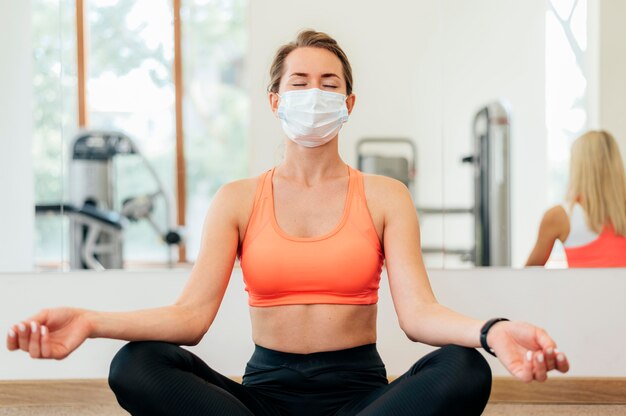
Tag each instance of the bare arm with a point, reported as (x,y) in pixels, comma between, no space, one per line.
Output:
(420,316)
(190,317)
(554,225)
(56,332)
(525,350)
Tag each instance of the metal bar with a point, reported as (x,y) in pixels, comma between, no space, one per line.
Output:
(425,210)
(436,250)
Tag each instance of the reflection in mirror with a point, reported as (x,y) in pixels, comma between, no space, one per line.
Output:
(98,218)
(113,175)
(591,224)
(179,81)
(555,65)
(54,121)
(398,159)
(492,181)
(493,126)
(399,90)
(128,52)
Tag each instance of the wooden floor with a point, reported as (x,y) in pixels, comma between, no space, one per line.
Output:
(567,396)
(560,390)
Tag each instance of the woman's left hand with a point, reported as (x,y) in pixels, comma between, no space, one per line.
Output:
(526,351)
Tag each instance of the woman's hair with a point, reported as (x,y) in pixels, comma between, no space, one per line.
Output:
(597,181)
(309,38)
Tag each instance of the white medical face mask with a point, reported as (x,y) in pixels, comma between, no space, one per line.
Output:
(312,117)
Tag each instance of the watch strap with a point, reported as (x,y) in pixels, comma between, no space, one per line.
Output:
(485,330)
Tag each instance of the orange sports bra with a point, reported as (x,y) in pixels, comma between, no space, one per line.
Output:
(342,266)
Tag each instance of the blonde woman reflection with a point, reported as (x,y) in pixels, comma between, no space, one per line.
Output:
(592,222)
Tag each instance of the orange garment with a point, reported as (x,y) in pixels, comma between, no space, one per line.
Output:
(608,250)
(342,266)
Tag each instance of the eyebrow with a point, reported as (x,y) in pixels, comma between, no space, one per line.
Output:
(304,74)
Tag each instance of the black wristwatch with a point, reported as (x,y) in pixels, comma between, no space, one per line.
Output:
(483,333)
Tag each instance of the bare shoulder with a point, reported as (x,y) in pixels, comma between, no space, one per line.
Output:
(237,198)
(386,198)
(240,188)
(385,190)
(556,215)
(238,195)
(381,183)
(555,222)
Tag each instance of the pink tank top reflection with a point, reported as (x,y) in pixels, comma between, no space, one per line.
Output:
(608,250)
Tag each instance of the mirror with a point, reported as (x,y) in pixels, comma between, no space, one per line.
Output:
(157,104)
(109,175)
(541,73)
(168,94)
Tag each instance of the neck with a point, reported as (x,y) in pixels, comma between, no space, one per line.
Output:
(311,165)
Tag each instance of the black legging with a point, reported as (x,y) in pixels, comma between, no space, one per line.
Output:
(160,378)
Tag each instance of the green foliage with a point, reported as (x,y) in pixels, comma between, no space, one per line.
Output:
(215,43)
(54,114)
(119,48)
(54,93)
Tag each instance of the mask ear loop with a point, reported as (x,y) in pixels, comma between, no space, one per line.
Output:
(281,98)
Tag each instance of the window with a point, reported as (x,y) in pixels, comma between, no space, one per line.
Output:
(130,85)
(567,95)
(130,88)
(215,104)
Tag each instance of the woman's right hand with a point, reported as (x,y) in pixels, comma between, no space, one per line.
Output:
(51,333)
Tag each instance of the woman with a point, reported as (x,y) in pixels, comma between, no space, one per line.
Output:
(592,223)
(311,254)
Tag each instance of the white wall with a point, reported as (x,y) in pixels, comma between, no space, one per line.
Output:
(612,74)
(384,45)
(583,310)
(16,176)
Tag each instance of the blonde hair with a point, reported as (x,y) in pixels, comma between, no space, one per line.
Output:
(597,181)
(309,38)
